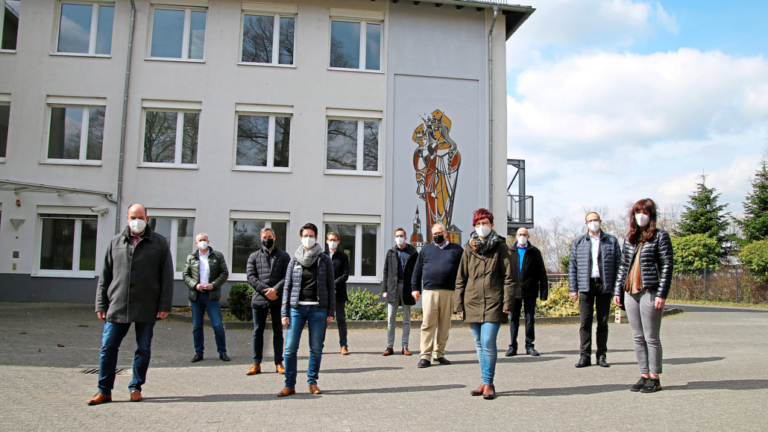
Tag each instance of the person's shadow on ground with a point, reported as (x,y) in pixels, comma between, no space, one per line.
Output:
(750,384)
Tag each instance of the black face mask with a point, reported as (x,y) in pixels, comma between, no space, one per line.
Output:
(268,242)
(439,238)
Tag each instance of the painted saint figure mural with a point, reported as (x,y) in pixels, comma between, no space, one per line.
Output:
(437,161)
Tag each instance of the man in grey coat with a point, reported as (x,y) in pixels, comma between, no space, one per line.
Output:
(135,287)
(595,258)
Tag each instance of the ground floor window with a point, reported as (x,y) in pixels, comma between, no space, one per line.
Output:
(180,233)
(359,242)
(246,239)
(68,243)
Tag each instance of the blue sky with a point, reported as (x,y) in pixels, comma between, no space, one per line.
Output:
(610,101)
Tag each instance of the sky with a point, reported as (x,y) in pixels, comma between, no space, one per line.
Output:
(611,101)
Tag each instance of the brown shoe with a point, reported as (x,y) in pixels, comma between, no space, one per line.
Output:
(280,369)
(479,391)
(489,392)
(100,398)
(314,389)
(136,396)
(344,351)
(286,392)
(406,352)
(388,352)
(256,369)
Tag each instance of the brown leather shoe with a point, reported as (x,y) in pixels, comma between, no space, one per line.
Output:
(286,392)
(388,352)
(100,398)
(314,389)
(136,396)
(406,352)
(344,351)
(479,391)
(280,369)
(256,369)
(489,392)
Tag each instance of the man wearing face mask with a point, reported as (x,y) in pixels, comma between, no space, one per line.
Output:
(594,263)
(135,287)
(530,276)
(266,274)
(340,262)
(396,288)
(204,273)
(435,273)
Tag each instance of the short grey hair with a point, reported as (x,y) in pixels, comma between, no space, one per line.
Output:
(438,224)
(201,234)
(265,229)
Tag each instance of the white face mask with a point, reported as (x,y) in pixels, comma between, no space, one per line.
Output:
(400,241)
(308,242)
(483,230)
(522,240)
(202,245)
(137,225)
(594,226)
(642,219)
(332,245)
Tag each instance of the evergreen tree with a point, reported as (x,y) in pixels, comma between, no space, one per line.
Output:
(754,225)
(703,215)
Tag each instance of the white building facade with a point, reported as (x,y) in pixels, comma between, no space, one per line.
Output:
(350,114)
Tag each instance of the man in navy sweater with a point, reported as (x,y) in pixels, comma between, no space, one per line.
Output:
(435,273)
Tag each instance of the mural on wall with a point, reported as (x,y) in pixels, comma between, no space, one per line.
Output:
(436,161)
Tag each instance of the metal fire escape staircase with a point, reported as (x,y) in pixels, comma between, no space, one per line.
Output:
(519,205)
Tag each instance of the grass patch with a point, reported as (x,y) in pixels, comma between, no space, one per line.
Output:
(225,315)
(718,303)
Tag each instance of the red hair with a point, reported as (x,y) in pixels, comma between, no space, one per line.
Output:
(636,233)
(482,213)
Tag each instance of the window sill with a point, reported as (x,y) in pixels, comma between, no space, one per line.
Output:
(65,54)
(2,160)
(353,173)
(75,162)
(7,51)
(285,66)
(238,277)
(168,166)
(162,59)
(363,279)
(375,72)
(64,274)
(262,169)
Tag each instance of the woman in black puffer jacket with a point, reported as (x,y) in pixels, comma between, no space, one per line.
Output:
(642,286)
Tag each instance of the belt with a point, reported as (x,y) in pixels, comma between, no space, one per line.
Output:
(399,281)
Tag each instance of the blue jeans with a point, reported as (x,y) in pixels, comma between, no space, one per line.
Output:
(110,345)
(199,307)
(485,341)
(315,316)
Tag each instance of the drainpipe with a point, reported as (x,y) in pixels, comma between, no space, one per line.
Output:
(490,108)
(119,200)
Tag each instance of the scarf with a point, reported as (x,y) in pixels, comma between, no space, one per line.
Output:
(482,246)
(308,257)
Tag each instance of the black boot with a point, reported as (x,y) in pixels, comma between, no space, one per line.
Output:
(584,361)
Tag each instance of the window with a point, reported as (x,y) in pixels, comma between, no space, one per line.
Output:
(268,39)
(68,243)
(9,24)
(76,133)
(5,116)
(263,140)
(246,239)
(353,145)
(85,29)
(170,137)
(178,34)
(356,45)
(180,233)
(359,242)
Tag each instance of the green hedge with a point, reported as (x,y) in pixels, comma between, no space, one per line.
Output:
(365,306)
(240,301)
(755,258)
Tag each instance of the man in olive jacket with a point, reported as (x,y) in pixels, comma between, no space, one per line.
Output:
(135,287)
(204,273)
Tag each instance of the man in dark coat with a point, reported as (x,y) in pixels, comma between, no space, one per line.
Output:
(135,287)
(396,288)
(340,262)
(530,275)
(266,274)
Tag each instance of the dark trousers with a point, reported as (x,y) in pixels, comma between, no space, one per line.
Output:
(341,321)
(588,302)
(259,323)
(199,307)
(529,304)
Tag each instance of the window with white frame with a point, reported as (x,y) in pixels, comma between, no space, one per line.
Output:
(268,37)
(360,243)
(356,43)
(85,28)
(246,239)
(263,139)
(9,24)
(5,117)
(180,233)
(68,243)
(352,145)
(170,135)
(178,33)
(76,132)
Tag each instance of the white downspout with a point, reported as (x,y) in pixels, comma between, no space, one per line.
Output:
(119,200)
(490,108)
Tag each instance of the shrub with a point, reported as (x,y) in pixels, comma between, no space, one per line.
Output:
(240,301)
(755,258)
(560,303)
(364,305)
(565,263)
(695,252)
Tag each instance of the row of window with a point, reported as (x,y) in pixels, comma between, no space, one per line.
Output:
(267,37)
(170,138)
(68,242)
